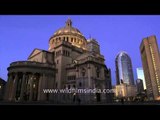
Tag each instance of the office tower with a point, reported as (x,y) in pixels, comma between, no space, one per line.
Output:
(124,72)
(139,83)
(140,75)
(151,66)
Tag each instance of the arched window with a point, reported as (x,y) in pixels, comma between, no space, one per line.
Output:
(71,39)
(59,38)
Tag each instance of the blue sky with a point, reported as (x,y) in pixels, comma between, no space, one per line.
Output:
(20,34)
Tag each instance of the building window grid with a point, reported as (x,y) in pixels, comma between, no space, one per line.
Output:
(66,53)
(155,67)
(72,77)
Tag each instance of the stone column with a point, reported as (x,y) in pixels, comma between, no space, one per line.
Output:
(31,88)
(7,90)
(89,77)
(23,87)
(11,84)
(14,87)
(51,86)
(40,87)
(89,95)
(43,98)
(47,86)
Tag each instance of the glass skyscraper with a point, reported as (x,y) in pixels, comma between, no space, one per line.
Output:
(140,75)
(124,72)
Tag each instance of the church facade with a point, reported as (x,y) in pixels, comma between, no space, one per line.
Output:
(71,62)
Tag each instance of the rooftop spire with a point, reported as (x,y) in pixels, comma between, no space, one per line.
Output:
(68,23)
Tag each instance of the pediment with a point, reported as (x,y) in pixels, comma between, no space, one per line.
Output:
(34,52)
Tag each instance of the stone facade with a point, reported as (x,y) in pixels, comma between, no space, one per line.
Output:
(2,88)
(70,62)
(27,79)
(125,91)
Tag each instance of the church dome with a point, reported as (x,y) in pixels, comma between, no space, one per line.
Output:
(68,29)
(69,34)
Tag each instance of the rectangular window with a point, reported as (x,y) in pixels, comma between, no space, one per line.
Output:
(71,39)
(63,52)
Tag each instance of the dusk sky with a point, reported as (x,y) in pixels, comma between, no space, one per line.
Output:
(20,35)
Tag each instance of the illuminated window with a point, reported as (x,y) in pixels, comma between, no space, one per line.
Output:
(34,85)
(59,38)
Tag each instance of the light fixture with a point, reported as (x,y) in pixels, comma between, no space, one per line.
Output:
(34,85)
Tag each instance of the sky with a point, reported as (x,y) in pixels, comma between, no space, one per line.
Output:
(21,34)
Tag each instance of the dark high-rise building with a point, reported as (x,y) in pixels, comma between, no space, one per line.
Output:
(139,83)
(124,72)
(151,66)
(140,75)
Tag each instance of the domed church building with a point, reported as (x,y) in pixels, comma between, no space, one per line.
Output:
(71,62)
